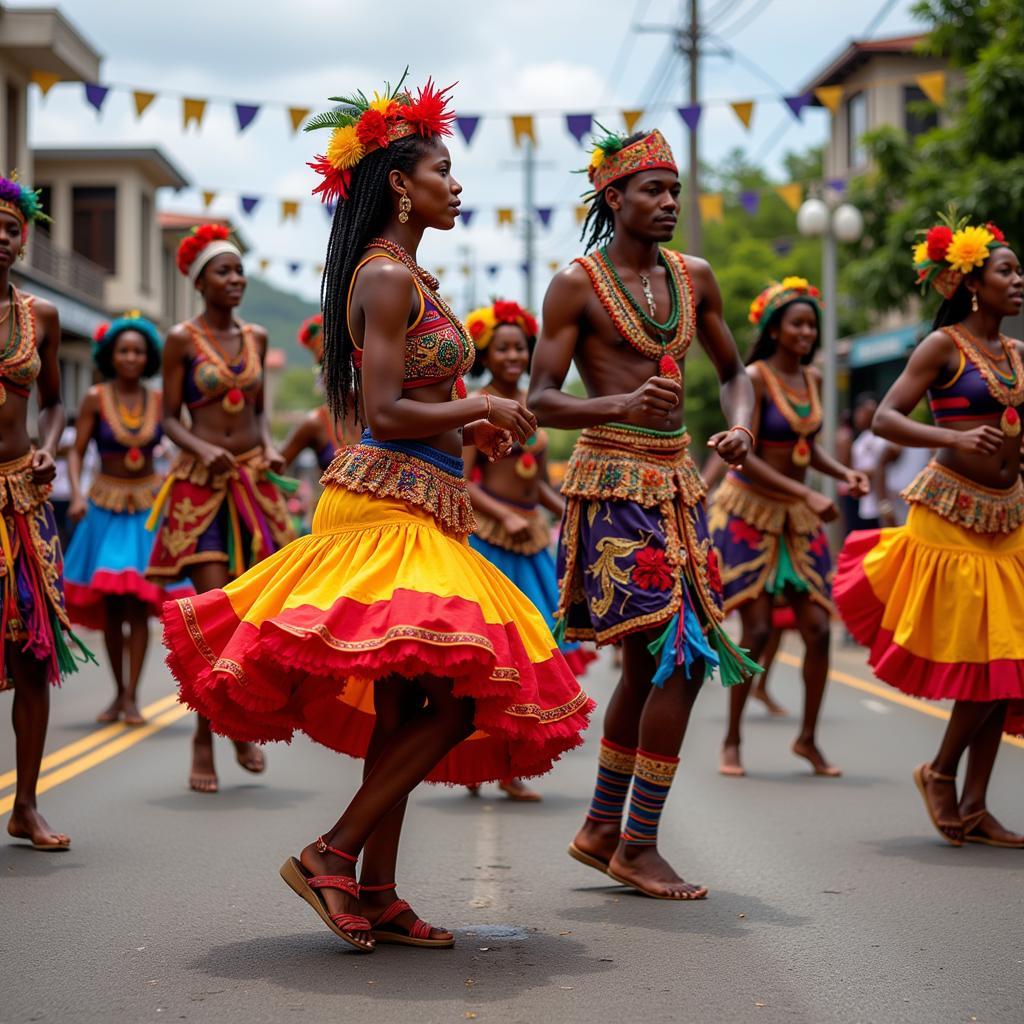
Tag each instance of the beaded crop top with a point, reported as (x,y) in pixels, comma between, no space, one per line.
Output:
(118,432)
(967,395)
(436,349)
(784,418)
(19,360)
(211,377)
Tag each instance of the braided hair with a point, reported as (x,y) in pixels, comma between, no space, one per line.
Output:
(599,225)
(765,344)
(356,220)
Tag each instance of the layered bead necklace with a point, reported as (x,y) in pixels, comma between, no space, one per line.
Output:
(132,430)
(220,371)
(1008,391)
(19,358)
(801,412)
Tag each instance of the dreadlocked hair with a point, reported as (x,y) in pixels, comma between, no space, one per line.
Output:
(599,225)
(356,220)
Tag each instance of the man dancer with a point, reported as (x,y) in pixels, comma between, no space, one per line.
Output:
(636,564)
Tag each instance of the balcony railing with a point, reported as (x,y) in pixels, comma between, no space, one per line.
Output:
(67,270)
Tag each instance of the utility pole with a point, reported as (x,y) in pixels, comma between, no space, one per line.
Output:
(529,230)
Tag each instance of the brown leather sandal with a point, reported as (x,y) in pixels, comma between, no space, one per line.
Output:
(973,832)
(923,774)
(417,935)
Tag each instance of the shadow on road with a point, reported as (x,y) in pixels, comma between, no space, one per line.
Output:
(243,797)
(923,849)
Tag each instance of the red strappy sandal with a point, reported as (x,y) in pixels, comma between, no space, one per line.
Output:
(417,935)
(306,885)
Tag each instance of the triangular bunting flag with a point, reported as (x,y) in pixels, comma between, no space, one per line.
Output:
(329,209)
(690,116)
(505,215)
(192,111)
(249,203)
(465,270)
(837,185)
(263,265)
(712,209)
(744,110)
(522,128)
(294,266)
(439,272)
(95,95)
(792,195)
(829,96)
(524,267)
(467,125)
(319,270)
(579,125)
(466,216)
(782,247)
(245,112)
(208,198)
(581,213)
(544,214)
(933,85)
(289,210)
(631,118)
(493,270)
(554,266)
(750,200)
(142,100)
(797,103)
(296,115)
(46,80)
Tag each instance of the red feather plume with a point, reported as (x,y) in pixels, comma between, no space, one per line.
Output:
(334,185)
(429,113)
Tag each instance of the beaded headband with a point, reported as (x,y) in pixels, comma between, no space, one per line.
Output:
(22,203)
(779,294)
(107,333)
(951,249)
(611,159)
(483,322)
(311,335)
(362,125)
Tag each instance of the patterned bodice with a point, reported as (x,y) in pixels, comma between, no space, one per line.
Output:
(965,396)
(206,381)
(113,437)
(774,428)
(20,366)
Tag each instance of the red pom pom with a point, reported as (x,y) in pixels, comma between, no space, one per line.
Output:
(530,325)
(995,232)
(668,367)
(938,239)
(460,388)
(100,331)
(192,245)
(372,129)
(310,329)
(476,329)
(528,460)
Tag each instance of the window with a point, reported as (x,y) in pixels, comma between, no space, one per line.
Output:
(94,224)
(12,135)
(146,242)
(919,116)
(856,126)
(46,199)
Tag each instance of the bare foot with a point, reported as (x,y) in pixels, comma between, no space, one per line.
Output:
(939,794)
(729,761)
(28,823)
(337,900)
(132,714)
(111,713)
(516,789)
(774,709)
(473,789)
(250,757)
(202,778)
(595,843)
(808,750)
(643,868)
(982,827)
(375,903)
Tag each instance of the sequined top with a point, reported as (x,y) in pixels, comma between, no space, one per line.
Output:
(206,380)
(20,366)
(436,350)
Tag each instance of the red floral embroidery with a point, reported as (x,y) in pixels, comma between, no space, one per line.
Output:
(819,545)
(743,533)
(652,571)
(650,478)
(713,572)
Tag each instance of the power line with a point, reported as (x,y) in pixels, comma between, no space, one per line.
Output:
(883,13)
(760,6)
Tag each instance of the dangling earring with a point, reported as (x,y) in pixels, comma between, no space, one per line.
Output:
(404,209)
(974,302)
(21,253)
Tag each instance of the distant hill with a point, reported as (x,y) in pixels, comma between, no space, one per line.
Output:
(280,312)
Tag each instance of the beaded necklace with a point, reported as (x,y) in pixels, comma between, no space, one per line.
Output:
(431,285)
(1009,392)
(131,432)
(19,359)
(220,373)
(802,424)
(671,338)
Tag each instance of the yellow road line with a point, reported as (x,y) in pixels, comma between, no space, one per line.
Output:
(104,753)
(887,693)
(93,739)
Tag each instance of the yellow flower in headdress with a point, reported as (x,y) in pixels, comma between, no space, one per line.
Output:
(480,324)
(596,158)
(345,150)
(969,248)
(920,252)
(799,283)
(383,104)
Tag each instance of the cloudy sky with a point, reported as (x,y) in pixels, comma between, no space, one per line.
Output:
(512,57)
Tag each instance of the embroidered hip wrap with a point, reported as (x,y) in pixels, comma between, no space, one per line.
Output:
(237,517)
(635,554)
(410,471)
(966,503)
(124,494)
(32,612)
(768,541)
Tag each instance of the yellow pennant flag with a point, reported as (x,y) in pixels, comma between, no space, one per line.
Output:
(554,266)
(264,263)
(830,96)
(289,210)
(581,213)
(46,80)
(142,101)
(465,269)
(192,112)
(439,272)
(792,195)
(744,110)
(506,215)
(297,115)
(630,119)
(208,198)
(522,128)
(933,85)
(319,270)
(712,207)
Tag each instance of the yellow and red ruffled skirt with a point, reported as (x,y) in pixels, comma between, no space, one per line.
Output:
(378,589)
(939,605)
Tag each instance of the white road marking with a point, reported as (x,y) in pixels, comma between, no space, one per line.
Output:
(877,706)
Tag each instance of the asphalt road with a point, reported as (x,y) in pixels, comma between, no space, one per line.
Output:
(831,900)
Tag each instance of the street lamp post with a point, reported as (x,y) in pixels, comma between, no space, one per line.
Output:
(817,218)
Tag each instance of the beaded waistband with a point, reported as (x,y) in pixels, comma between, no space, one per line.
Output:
(187,467)
(124,494)
(966,503)
(17,488)
(493,531)
(451,464)
(770,512)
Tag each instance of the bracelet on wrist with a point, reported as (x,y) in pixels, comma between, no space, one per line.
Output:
(487,414)
(747,431)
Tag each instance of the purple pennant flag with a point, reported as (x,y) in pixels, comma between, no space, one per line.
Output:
(690,116)
(294,267)
(750,200)
(782,247)
(466,216)
(249,203)
(467,126)
(95,95)
(579,125)
(837,185)
(492,270)
(329,210)
(544,213)
(797,103)
(524,267)
(245,113)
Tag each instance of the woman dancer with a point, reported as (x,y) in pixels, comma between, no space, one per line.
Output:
(222,504)
(34,627)
(105,568)
(383,634)
(319,430)
(939,601)
(767,523)
(507,494)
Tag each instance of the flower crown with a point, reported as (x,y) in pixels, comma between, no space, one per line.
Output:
(612,158)
(311,335)
(362,125)
(483,322)
(951,249)
(779,294)
(107,333)
(22,202)
(205,241)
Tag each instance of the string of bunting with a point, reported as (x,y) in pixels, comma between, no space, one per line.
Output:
(579,125)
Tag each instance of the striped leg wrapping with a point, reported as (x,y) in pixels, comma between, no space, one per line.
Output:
(614,772)
(652,779)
